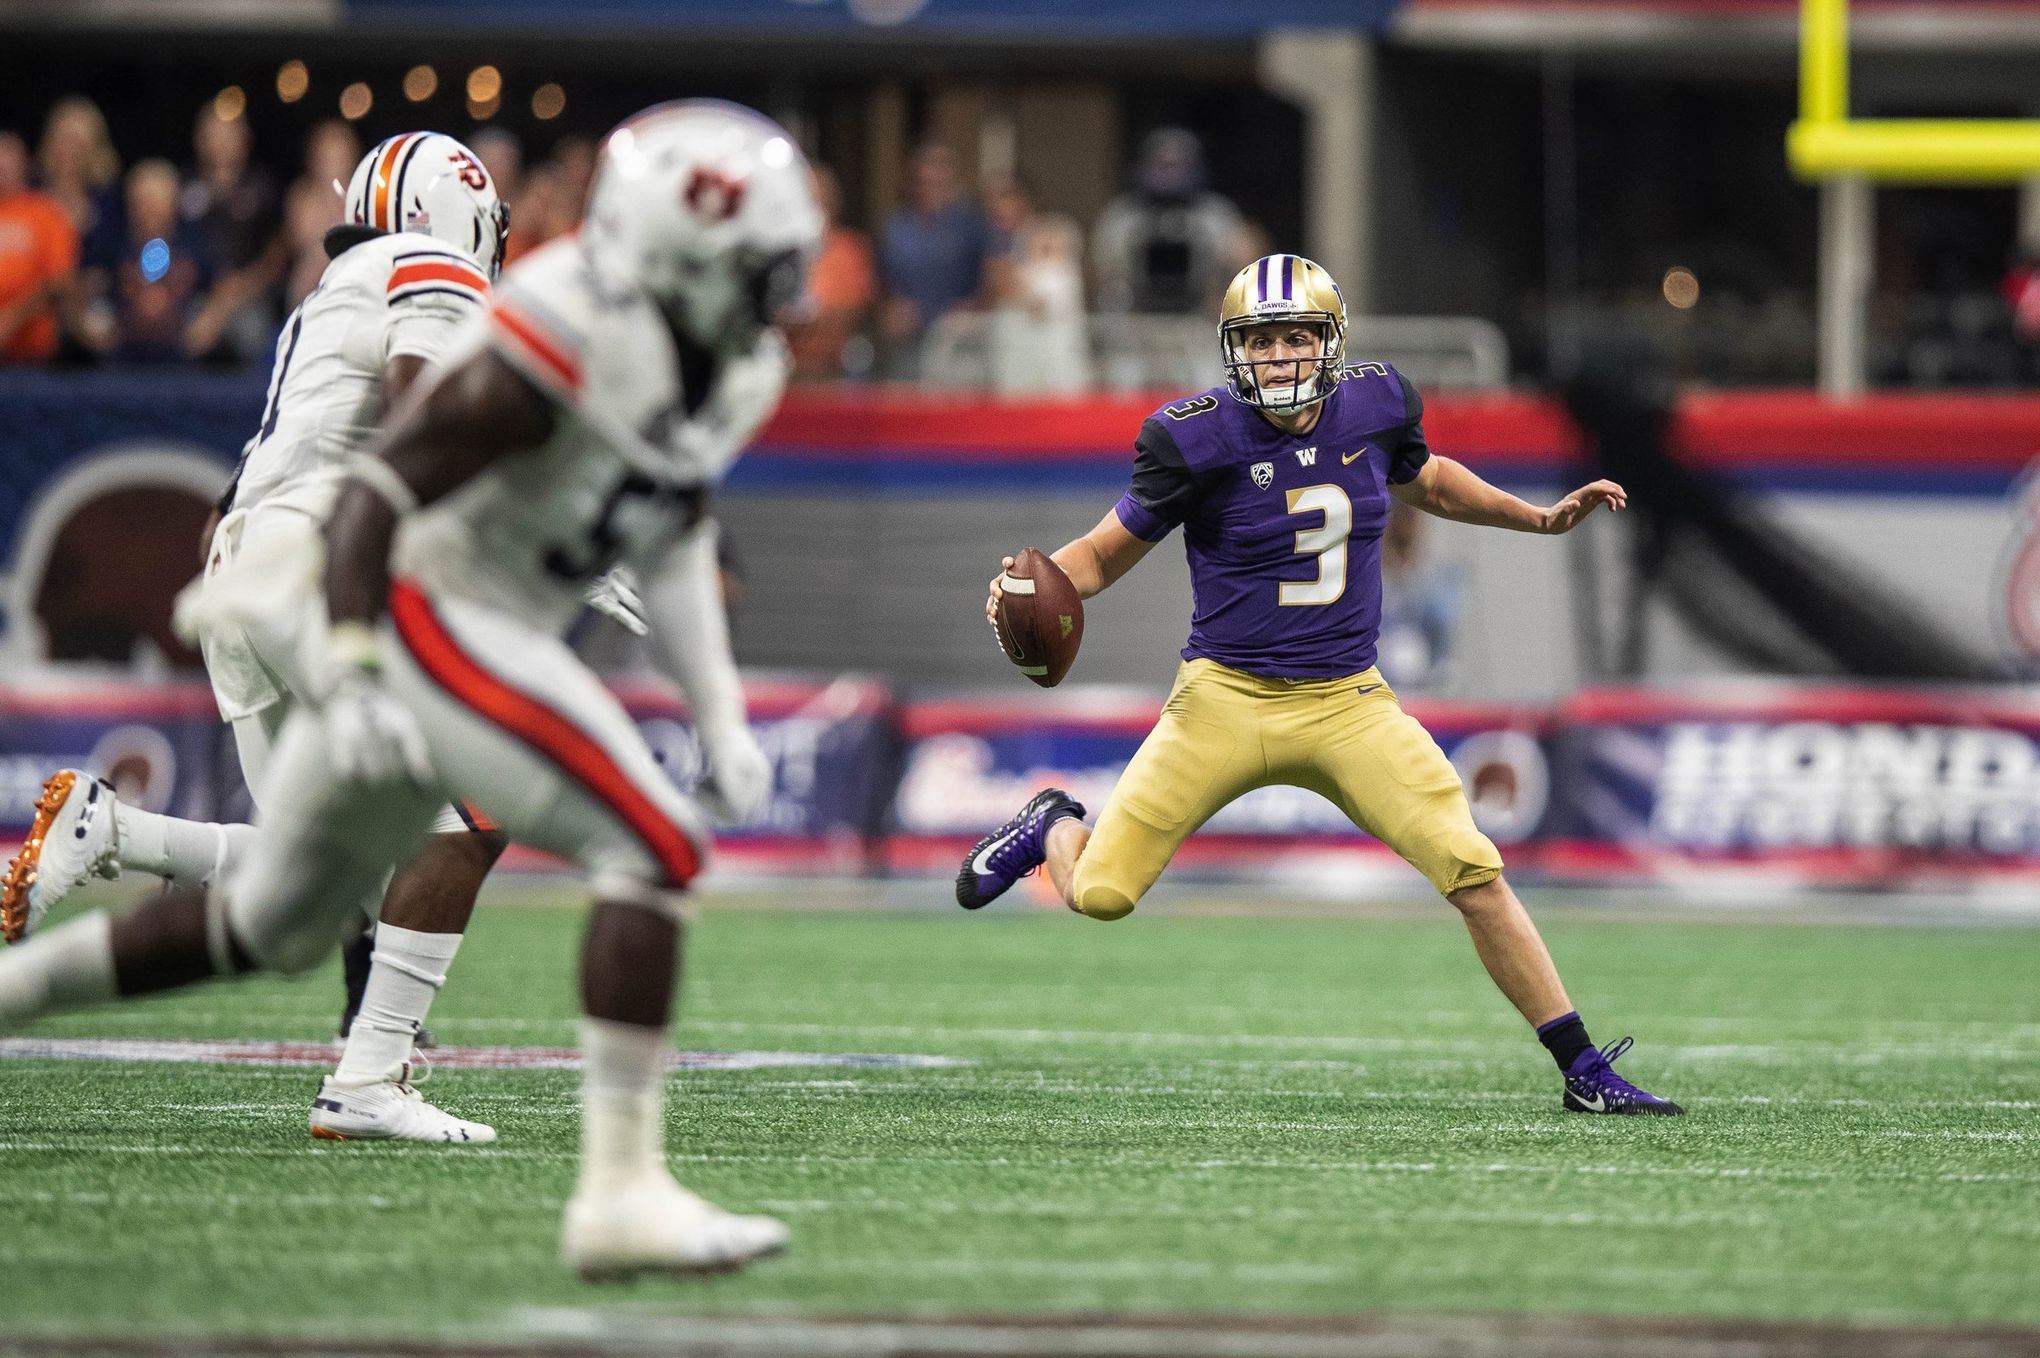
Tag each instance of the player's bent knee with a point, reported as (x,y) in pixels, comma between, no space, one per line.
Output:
(1102,902)
(1470,859)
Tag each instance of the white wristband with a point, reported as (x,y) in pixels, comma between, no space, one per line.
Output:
(356,645)
(380,477)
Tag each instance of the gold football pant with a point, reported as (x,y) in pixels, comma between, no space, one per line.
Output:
(1224,733)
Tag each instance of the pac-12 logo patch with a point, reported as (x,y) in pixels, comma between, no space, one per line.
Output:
(1264,474)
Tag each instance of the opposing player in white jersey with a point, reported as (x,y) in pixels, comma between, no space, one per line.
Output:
(414,261)
(584,424)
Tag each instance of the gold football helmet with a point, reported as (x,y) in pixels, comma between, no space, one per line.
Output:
(1282,288)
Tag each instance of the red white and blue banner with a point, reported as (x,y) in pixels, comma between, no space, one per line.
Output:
(1728,786)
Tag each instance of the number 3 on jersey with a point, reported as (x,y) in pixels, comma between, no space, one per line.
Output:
(1327,543)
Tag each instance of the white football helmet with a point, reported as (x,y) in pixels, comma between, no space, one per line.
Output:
(707,207)
(429,183)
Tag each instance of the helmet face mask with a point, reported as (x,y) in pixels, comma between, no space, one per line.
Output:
(428,183)
(1286,291)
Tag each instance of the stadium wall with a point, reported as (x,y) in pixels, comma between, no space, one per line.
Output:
(867,520)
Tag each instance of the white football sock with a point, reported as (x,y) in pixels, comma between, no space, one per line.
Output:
(68,967)
(623,1086)
(409,967)
(194,852)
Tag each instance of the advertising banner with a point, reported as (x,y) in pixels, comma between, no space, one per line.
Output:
(831,743)
(1727,786)
(1799,783)
(969,764)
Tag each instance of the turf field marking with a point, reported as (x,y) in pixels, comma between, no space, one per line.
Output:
(1002,1209)
(180,1051)
(1119,1161)
(1217,1335)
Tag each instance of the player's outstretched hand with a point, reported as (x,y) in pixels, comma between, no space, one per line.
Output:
(615,596)
(992,602)
(371,737)
(1564,516)
(739,775)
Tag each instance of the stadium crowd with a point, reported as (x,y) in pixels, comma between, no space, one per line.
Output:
(157,263)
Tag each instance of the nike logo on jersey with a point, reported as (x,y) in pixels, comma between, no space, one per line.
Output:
(1348,459)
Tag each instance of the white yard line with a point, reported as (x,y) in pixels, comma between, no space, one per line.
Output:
(454,1154)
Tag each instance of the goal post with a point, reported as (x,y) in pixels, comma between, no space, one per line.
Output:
(1848,156)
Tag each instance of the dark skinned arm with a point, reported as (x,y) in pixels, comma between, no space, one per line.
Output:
(480,412)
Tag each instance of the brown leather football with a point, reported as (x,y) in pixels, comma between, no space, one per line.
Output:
(1041,619)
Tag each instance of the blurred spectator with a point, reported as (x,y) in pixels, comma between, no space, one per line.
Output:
(2022,295)
(931,257)
(539,213)
(80,169)
(1419,606)
(1034,276)
(841,289)
(502,155)
(155,301)
(38,257)
(316,203)
(234,204)
(575,157)
(1169,246)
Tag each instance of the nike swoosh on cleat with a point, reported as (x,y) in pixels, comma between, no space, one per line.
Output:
(1599,1105)
(980,864)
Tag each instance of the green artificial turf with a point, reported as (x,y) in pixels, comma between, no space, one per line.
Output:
(1232,1114)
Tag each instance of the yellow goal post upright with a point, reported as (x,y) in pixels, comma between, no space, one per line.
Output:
(1848,156)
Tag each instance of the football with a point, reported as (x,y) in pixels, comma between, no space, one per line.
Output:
(1041,619)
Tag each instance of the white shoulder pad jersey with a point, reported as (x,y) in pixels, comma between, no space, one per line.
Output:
(627,468)
(405,293)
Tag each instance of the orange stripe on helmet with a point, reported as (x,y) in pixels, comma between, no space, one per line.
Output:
(379,210)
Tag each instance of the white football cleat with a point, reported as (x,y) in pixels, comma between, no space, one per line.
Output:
(72,837)
(656,1226)
(390,1110)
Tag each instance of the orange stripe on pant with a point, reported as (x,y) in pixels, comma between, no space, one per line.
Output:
(531,721)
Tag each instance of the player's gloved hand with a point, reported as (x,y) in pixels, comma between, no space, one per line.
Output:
(616,595)
(371,737)
(739,775)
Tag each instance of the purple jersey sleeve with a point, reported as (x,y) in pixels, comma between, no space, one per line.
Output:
(1407,450)
(1163,491)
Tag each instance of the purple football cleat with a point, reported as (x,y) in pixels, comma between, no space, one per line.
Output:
(1592,1086)
(1013,850)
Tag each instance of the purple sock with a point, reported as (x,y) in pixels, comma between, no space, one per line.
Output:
(1565,1037)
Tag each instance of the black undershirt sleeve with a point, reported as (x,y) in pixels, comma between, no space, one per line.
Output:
(1163,483)
(1407,451)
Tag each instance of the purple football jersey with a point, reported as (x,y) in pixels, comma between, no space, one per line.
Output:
(1283,532)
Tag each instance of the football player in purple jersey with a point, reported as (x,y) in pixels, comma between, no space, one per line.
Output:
(1280,479)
